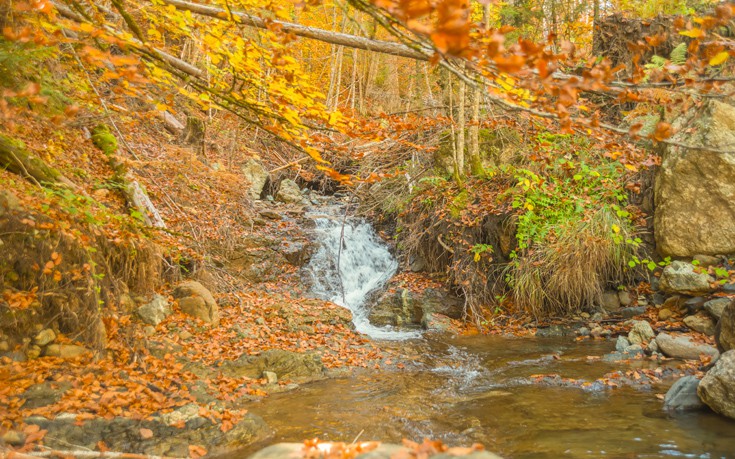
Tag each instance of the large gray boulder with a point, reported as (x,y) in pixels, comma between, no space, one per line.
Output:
(680,277)
(682,347)
(682,396)
(288,192)
(695,189)
(717,388)
(195,300)
(256,176)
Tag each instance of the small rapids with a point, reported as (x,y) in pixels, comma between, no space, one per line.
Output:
(351,263)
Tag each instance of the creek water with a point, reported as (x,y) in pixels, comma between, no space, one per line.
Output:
(463,390)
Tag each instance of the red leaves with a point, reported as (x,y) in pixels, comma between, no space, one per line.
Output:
(663,131)
(197,451)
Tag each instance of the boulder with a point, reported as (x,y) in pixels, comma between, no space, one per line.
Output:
(288,192)
(682,347)
(154,312)
(256,176)
(285,364)
(701,322)
(681,277)
(717,388)
(726,336)
(694,189)
(621,344)
(404,307)
(716,306)
(610,301)
(641,332)
(195,300)
(682,396)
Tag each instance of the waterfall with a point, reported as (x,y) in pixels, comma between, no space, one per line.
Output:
(365,265)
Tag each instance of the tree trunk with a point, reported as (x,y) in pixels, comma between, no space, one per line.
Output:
(461,125)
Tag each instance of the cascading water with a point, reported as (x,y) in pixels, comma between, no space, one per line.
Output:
(348,275)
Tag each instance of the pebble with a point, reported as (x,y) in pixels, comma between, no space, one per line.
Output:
(664,314)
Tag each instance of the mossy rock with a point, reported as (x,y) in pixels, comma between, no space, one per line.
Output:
(459,203)
(104,139)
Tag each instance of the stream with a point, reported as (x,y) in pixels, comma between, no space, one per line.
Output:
(485,389)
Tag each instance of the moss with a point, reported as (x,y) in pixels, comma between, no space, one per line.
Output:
(459,203)
(104,139)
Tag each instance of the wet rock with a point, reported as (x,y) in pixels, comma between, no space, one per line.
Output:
(436,322)
(44,337)
(716,306)
(701,322)
(681,277)
(64,351)
(628,313)
(288,192)
(610,301)
(287,365)
(404,307)
(717,388)
(154,312)
(256,176)
(621,344)
(641,332)
(682,347)
(694,189)
(13,438)
(552,331)
(295,252)
(629,353)
(195,300)
(682,396)
(383,451)
(726,336)
(664,314)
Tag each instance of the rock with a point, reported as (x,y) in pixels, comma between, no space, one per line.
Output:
(552,331)
(287,365)
(8,202)
(13,438)
(271,215)
(726,336)
(44,337)
(728,287)
(658,299)
(610,301)
(184,414)
(621,344)
(295,252)
(197,301)
(680,277)
(598,332)
(271,377)
(404,307)
(184,335)
(154,312)
(256,176)
(149,330)
(716,306)
(44,394)
(33,352)
(701,322)
(583,331)
(436,322)
(641,332)
(4,346)
(64,351)
(383,451)
(675,303)
(652,347)
(694,305)
(625,297)
(664,314)
(628,313)
(695,189)
(288,192)
(717,388)
(681,347)
(682,396)
(705,261)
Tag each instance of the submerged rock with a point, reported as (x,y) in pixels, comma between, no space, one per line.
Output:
(681,277)
(717,388)
(682,347)
(682,396)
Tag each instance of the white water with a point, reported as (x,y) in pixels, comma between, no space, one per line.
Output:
(365,265)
